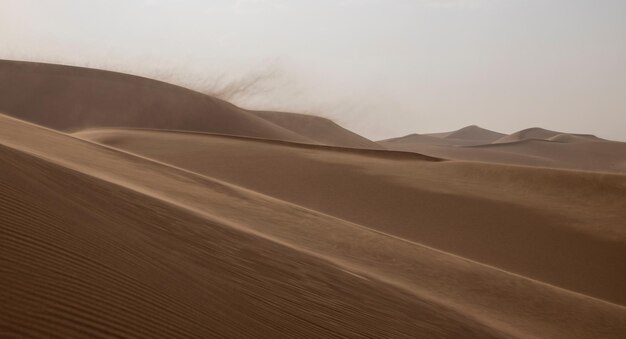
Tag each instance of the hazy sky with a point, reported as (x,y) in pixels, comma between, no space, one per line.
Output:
(380,67)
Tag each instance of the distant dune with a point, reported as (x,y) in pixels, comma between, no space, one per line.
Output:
(569,138)
(473,134)
(416,139)
(534,133)
(72,98)
(530,147)
(134,208)
(470,135)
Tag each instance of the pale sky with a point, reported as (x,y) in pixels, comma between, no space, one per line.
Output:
(382,68)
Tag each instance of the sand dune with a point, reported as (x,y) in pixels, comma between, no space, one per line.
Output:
(527,134)
(108,261)
(135,208)
(567,137)
(475,297)
(416,139)
(537,133)
(470,135)
(322,130)
(71,98)
(474,134)
(412,199)
(530,147)
(602,156)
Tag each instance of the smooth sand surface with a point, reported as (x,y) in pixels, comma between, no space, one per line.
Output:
(576,154)
(107,261)
(475,294)
(518,219)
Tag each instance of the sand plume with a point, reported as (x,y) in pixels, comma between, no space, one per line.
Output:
(72,98)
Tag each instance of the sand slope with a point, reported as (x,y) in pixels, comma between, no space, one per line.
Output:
(574,154)
(107,261)
(322,130)
(518,219)
(70,98)
(465,293)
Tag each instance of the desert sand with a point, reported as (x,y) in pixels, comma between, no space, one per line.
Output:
(412,199)
(535,147)
(132,207)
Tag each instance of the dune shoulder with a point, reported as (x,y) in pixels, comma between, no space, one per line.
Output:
(74,98)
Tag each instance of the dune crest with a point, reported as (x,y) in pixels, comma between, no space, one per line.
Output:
(469,135)
(73,98)
(322,130)
(528,134)
(475,134)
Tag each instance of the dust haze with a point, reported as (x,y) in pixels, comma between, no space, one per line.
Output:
(382,69)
